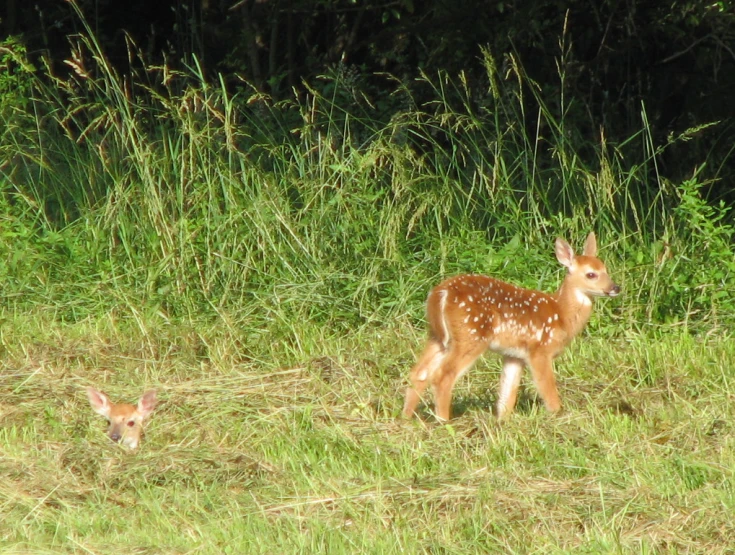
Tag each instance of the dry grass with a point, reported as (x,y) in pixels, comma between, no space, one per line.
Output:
(308,455)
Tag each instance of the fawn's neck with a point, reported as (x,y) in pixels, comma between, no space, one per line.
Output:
(575,308)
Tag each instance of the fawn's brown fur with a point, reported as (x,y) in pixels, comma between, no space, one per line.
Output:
(469,314)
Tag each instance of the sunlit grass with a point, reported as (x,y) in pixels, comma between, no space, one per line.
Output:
(310,455)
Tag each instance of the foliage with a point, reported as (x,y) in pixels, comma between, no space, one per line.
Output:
(16,83)
(674,58)
(700,276)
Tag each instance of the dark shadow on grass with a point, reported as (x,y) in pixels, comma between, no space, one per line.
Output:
(484,403)
(623,407)
(526,402)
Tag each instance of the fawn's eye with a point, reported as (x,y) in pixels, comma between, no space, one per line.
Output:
(591,275)
(131,423)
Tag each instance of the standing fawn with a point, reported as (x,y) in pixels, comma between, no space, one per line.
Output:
(126,421)
(469,314)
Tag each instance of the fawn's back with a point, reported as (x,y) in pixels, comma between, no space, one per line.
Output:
(507,319)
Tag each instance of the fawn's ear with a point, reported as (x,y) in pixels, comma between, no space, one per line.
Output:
(99,401)
(147,403)
(564,253)
(590,245)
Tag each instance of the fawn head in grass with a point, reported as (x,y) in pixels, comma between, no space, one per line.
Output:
(469,314)
(126,421)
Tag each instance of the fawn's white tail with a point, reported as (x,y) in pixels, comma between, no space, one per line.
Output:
(126,421)
(469,314)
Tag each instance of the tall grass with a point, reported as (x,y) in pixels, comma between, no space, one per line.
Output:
(160,191)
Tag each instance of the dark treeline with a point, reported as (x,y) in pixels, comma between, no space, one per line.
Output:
(676,60)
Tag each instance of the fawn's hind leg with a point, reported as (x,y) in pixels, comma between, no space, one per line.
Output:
(454,366)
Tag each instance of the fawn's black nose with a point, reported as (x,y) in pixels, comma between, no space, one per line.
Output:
(614,291)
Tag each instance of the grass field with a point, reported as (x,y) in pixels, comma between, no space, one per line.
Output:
(303,450)
(264,265)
